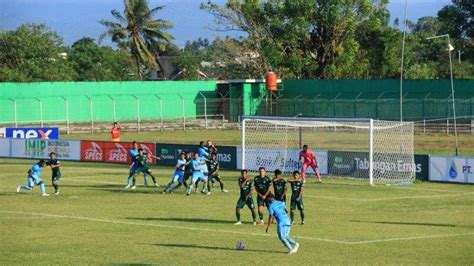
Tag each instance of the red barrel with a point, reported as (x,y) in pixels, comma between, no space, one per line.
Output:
(271,81)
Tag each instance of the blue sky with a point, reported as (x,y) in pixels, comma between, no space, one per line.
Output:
(73,19)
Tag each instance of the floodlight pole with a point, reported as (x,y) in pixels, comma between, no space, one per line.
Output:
(452,86)
(403,57)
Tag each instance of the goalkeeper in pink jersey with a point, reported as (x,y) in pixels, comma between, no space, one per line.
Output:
(309,160)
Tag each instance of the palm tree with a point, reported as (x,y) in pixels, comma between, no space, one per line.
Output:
(137,31)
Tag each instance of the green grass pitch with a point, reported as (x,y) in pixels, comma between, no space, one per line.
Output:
(95,221)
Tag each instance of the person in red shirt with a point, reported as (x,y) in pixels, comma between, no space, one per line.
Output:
(309,160)
(115,132)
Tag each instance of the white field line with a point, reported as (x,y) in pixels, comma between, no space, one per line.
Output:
(235,232)
(162,226)
(312,196)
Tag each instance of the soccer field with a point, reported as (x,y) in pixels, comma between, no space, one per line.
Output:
(439,144)
(95,221)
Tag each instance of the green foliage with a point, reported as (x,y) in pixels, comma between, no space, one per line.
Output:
(33,53)
(94,63)
(138,32)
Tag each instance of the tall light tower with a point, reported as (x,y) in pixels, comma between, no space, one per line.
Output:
(403,57)
(450,48)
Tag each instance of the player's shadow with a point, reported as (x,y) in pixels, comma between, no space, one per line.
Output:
(191,246)
(405,223)
(186,220)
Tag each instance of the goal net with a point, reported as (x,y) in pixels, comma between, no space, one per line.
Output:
(372,150)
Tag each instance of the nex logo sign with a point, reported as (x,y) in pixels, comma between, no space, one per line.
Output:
(32,133)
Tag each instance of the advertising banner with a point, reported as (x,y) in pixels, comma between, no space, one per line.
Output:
(40,148)
(5,147)
(452,169)
(273,159)
(32,133)
(226,155)
(356,164)
(422,162)
(2,132)
(112,152)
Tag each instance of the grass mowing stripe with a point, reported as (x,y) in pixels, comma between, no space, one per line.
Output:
(164,226)
(239,233)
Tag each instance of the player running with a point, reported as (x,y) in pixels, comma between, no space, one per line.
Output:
(277,210)
(56,173)
(178,176)
(262,185)
(279,186)
(297,187)
(198,174)
(213,168)
(34,178)
(246,190)
(309,160)
(142,166)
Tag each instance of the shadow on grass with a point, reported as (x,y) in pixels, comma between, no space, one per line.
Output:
(188,246)
(186,220)
(405,223)
(120,189)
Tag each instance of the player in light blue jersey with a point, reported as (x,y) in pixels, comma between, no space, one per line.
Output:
(133,167)
(198,174)
(277,210)
(178,177)
(34,178)
(203,151)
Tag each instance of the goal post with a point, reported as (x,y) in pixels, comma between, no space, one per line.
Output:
(378,151)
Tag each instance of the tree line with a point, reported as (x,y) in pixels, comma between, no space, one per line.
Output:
(298,39)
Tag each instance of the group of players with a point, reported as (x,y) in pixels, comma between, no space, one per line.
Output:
(200,166)
(203,166)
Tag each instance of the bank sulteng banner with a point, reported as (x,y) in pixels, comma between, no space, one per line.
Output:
(112,152)
(226,155)
(40,148)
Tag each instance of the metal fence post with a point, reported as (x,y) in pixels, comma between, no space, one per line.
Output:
(161,111)
(14,112)
(113,108)
(41,111)
(66,110)
(91,113)
(205,107)
(184,113)
(137,100)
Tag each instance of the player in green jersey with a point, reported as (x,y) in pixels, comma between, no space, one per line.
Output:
(188,169)
(279,186)
(297,187)
(262,185)
(213,168)
(142,166)
(246,189)
(56,173)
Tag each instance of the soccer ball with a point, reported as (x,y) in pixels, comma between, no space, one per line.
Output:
(240,246)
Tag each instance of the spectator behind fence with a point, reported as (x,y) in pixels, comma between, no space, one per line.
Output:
(115,132)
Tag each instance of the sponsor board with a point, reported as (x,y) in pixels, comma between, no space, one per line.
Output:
(111,152)
(273,159)
(2,132)
(356,164)
(452,169)
(40,148)
(32,133)
(5,147)
(226,155)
